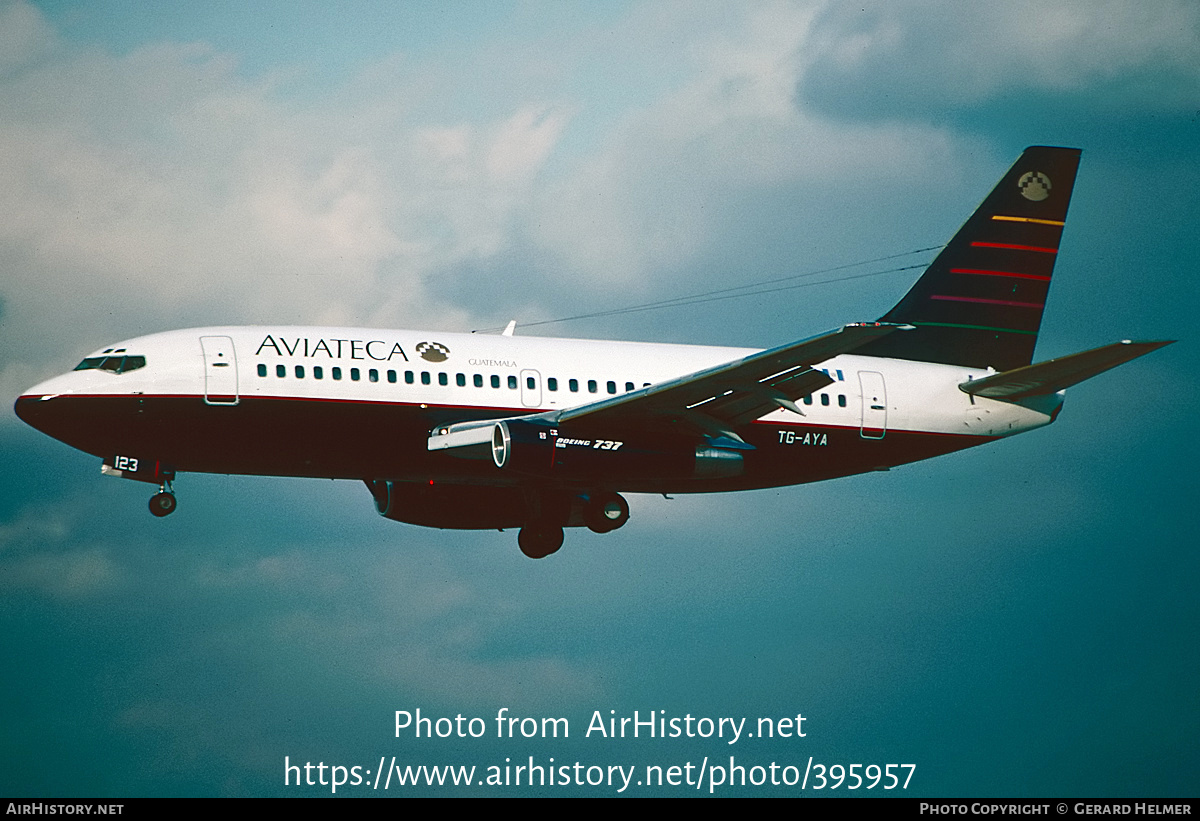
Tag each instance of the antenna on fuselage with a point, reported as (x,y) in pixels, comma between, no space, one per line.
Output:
(508,329)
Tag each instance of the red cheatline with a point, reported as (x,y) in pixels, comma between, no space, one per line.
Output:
(1014,247)
(989,301)
(997,273)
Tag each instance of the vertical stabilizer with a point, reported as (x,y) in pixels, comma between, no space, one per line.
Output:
(980,303)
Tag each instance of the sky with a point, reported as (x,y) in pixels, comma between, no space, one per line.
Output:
(1015,620)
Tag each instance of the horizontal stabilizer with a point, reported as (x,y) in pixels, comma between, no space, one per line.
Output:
(1055,374)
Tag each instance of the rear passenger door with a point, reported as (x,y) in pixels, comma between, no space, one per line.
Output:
(874,405)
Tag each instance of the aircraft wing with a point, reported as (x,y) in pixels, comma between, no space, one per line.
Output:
(1053,375)
(715,400)
(731,394)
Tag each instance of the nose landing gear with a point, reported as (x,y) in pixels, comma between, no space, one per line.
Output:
(163,503)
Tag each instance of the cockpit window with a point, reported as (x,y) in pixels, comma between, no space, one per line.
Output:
(116,364)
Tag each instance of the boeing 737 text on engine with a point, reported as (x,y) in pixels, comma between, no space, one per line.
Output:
(501,431)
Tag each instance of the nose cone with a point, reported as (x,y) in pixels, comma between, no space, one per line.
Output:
(38,410)
(97,423)
(30,406)
(49,408)
(26,409)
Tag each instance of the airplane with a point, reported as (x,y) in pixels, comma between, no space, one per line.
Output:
(498,431)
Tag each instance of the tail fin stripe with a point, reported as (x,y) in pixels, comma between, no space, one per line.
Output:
(975,327)
(1014,247)
(992,278)
(988,301)
(980,272)
(1029,219)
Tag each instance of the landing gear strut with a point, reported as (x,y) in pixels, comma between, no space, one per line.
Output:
(163,503)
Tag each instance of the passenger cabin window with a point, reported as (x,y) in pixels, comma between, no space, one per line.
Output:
(824,399)
(281,370)
(478,380)
(354,374)
(612,386)
(408,377)
(495,381)
(392,377)
(336,372)
(443,379)
(512,383)
(592,388)
(425,378)
(373,375)
(552,383)
(262,369)
(573,384)
(318,372)
(299,371)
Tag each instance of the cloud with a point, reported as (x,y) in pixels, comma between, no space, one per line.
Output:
(422,631)
(40,554)
(162,187)
(915,57)
(659,195)
(25,36)
(74,574)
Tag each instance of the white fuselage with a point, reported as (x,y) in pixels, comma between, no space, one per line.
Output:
(426,379)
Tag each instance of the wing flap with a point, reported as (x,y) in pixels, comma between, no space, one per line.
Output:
(747,402)
(739,391)
(1054,375)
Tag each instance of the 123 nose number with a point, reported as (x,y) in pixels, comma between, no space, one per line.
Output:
(125,463)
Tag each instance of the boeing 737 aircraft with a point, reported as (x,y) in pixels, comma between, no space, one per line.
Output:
(503,431)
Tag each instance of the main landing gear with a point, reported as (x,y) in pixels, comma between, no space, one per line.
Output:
(539,539)
(605,511)
(163,503)
(602,512)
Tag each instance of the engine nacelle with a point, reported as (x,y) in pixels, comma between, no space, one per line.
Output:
(540,449)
